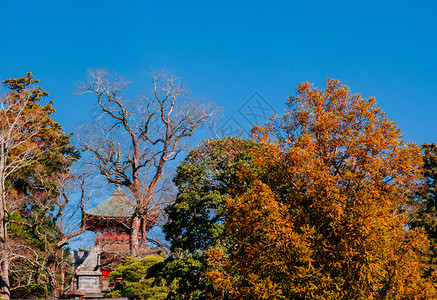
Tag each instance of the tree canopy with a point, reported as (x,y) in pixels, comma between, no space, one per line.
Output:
(35,160)
(424,202)
(326,201)
(135,278)
(326,215)
(195,220)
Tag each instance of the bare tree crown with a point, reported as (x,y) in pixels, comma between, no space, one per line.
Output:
(152,130)
(155,124)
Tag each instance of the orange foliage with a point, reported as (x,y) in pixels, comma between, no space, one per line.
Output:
(327,216)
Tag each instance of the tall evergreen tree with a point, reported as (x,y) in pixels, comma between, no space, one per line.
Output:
(36,156)
(424,202)
(195,219)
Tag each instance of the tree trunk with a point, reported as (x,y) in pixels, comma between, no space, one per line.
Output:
(143,231)
(54,287)
(134,245)
(4,259)
(4,278)
(62,276)
(53,281)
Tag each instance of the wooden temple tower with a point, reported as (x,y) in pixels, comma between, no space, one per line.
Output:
(110,220)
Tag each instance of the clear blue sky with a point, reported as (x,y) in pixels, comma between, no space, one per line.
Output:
(227,50)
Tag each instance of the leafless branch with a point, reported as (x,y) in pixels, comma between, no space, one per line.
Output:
(151,130)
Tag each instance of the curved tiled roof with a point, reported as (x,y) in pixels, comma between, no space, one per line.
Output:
(116,206)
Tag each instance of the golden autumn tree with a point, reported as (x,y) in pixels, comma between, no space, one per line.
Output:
(327,217)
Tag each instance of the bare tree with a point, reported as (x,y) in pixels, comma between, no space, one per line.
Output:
(18,149)
(58,223)
(61,219)
(59,215)
(152,130)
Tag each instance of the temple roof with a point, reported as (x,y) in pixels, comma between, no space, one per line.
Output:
(116,206)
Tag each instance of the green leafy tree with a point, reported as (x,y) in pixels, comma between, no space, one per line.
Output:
(195,219)
(424,201)
(35,160)
(326,215)
(136,277)
(430,199)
